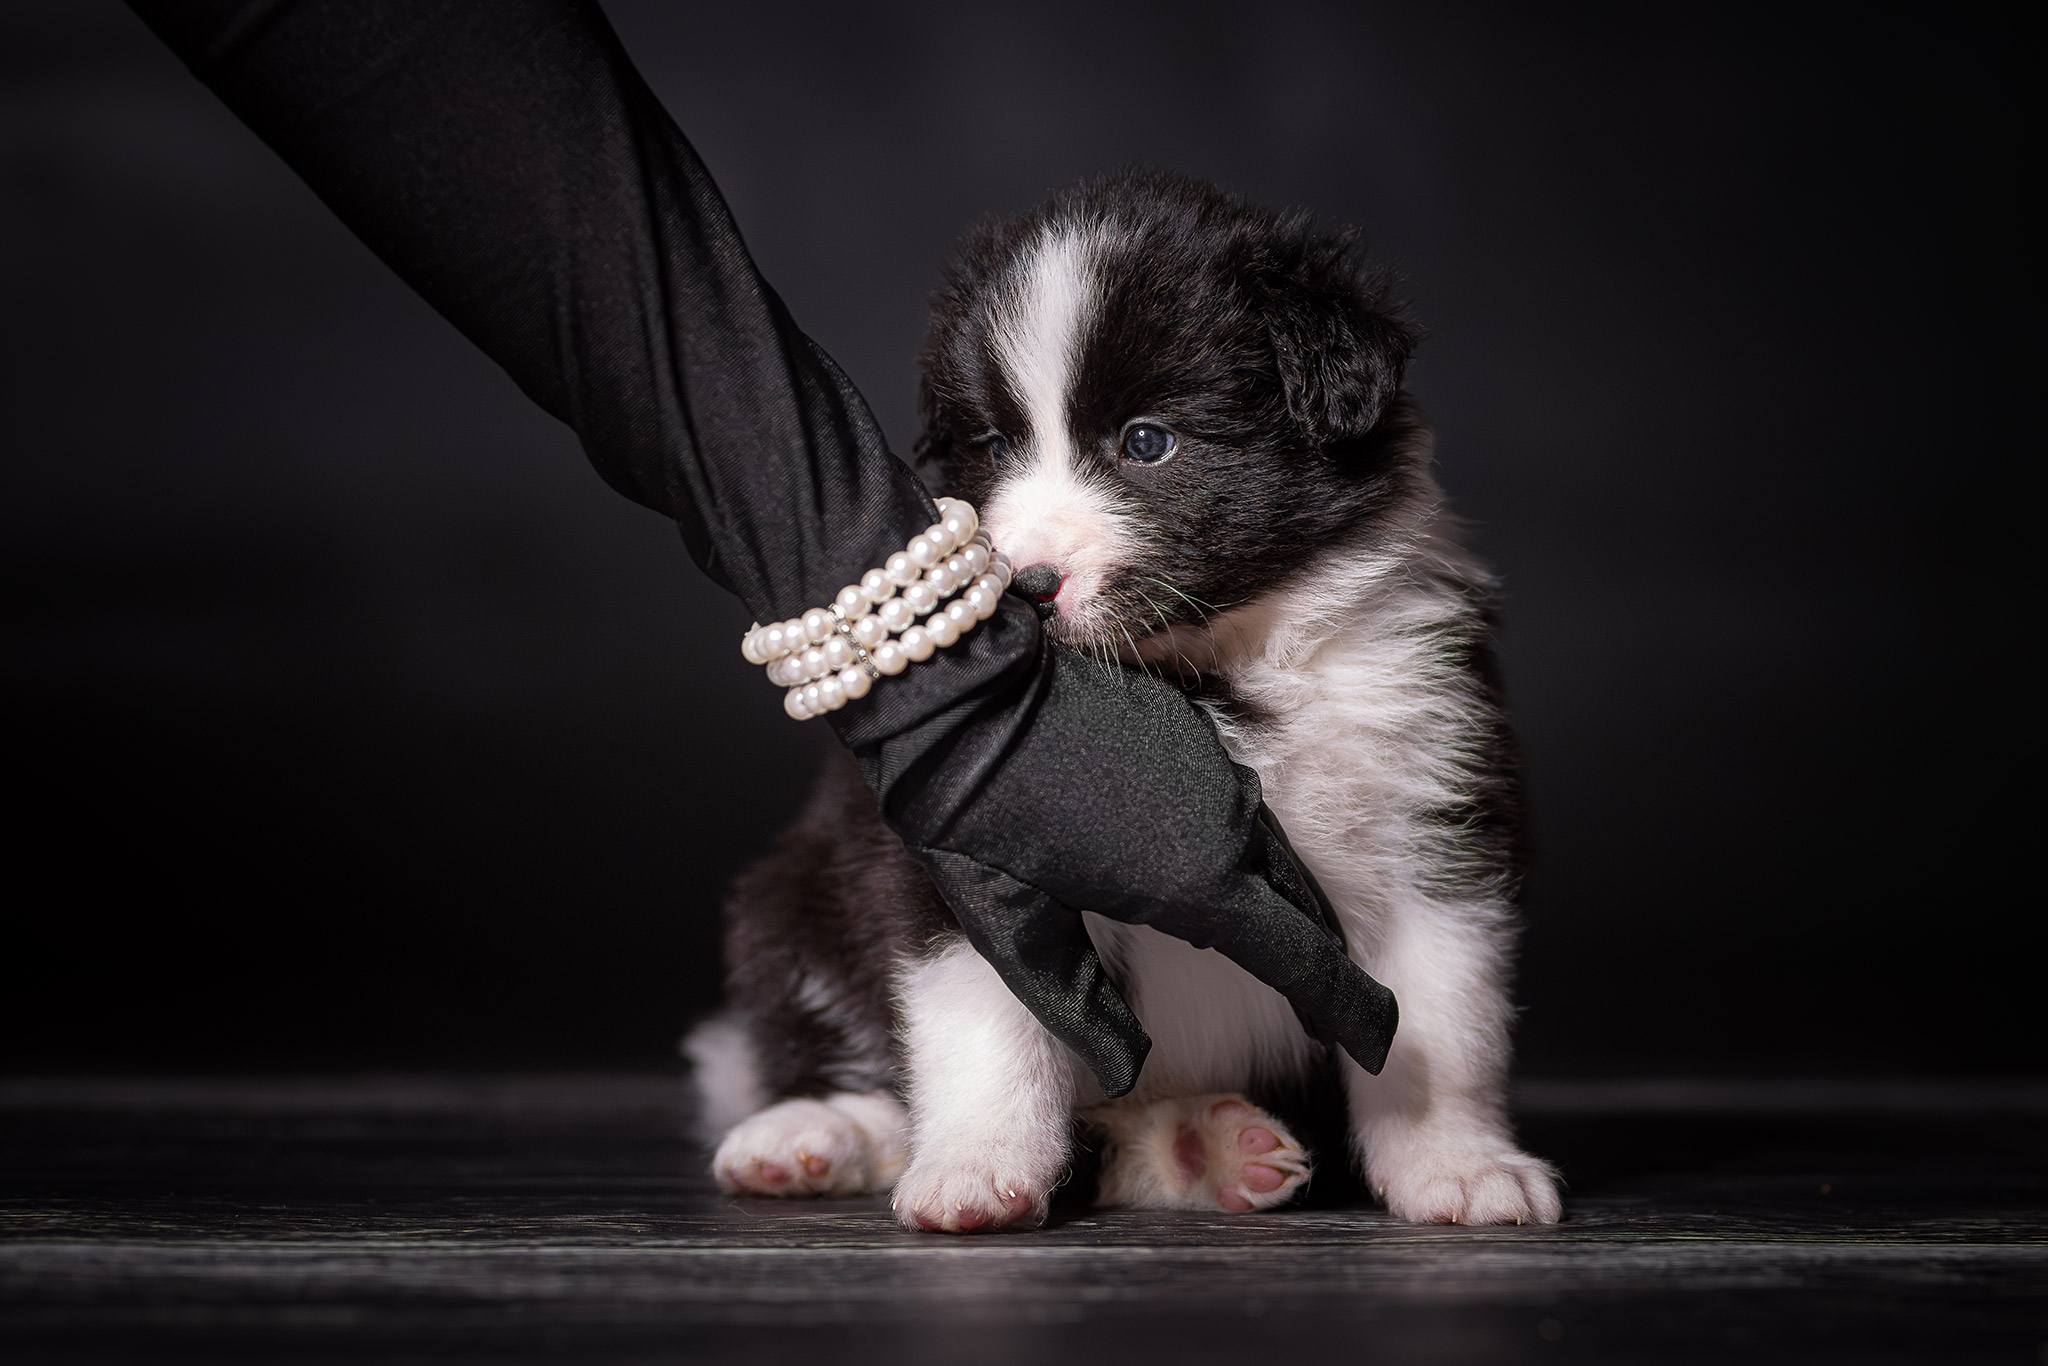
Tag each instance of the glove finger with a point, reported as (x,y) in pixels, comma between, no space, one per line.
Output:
(1271,937)
(1041,950)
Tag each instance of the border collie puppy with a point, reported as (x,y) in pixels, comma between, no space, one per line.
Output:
(1181,417)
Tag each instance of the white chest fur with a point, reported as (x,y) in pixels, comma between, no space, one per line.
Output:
(1367,723)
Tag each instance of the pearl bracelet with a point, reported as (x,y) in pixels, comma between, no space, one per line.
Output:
(831,655)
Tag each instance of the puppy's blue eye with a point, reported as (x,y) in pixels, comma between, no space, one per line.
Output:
(998,449)
(1147,444)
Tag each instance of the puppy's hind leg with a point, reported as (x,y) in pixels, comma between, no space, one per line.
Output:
(991,1093)
(848,1143)
(837,1142)
(1197,1153)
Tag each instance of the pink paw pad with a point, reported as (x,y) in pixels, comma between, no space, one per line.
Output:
(1219,1149)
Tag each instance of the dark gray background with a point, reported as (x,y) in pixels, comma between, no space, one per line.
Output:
(353,722)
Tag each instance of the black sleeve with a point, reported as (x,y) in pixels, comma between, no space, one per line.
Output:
(508,162)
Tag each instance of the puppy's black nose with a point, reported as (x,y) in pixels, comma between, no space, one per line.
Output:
(1039,582)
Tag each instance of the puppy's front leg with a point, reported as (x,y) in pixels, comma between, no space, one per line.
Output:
(1432,1129)
(990,1096)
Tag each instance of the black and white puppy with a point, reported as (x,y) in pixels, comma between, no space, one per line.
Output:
(1181,417)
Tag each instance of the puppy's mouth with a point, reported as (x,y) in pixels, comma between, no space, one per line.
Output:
(1115,613)
(1130,621)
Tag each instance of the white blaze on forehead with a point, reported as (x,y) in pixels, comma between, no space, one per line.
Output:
(1047,506)
(1039,328)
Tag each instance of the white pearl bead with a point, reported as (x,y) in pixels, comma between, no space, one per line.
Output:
(817,624)
(890,659)
(793,635)
(851,601)
(838,653)
(946,504)
(937,534)
(921,596)
(982,601)
(875,586)
(942,628)
(772,643)
(813,698)
(778,673)
(918,644)
(870,631)
(750,646)
(999,566)
(830,694)
(960,524)
(901,569)
(793,703)
(976,557)
(991,582)
(896,614)
(855,683)
(941,579)
(814,662)
(960,614)
(923,551)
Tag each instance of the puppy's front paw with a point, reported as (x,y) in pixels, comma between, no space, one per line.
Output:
(812,1147)
(1467,1186)
(1198,1152)
(973,1195)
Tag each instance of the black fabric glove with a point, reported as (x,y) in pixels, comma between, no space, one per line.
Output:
(1106,790)
(507,161)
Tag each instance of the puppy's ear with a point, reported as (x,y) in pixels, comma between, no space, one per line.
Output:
(1340,340)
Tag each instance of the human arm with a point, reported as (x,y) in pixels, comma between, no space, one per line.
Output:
(507,161)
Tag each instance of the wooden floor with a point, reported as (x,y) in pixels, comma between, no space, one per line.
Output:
(569,1219)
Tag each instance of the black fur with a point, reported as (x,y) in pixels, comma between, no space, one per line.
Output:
(812,933)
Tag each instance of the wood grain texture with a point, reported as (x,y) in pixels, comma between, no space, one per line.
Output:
(569,1218)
